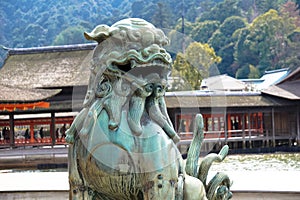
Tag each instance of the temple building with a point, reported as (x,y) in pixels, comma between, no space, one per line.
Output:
(42,90)
(42,87)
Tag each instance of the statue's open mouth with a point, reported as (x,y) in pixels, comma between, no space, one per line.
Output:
(143,70)
(141,63)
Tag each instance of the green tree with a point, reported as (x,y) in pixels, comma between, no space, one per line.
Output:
(202,31)
(242,52)
(231,24)
(71,35)
(265,43)
(265,5)
(34,35)
(253,72)
(227,55)
(248,71)
(243,72)
(224,35)
(289,10)
(184,76)
(193,65)
(292,61)
(207,5)
(162,17)
(253,8)
(222,11)
(188,26)
(178,41)
(223,41)
(143,9)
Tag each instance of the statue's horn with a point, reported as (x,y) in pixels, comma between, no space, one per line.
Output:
(100,33)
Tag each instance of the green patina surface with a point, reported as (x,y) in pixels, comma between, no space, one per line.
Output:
(123,144)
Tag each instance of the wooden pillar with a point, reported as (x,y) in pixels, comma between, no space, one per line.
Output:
(225,127)
(273,128)
(267,135)
(261,118)
(32,133)
(229,125)
(243,131)
(298,126)
(249,129)
(52,128)
(206,123)
(12,130)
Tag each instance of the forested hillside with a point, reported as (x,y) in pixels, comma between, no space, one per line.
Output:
(250,36)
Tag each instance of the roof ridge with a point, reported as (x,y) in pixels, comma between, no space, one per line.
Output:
(276,70)
(289,75)
(51,49)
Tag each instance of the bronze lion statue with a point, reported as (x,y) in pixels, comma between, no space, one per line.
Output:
(122,143)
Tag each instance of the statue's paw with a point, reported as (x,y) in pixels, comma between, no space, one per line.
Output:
(194,189)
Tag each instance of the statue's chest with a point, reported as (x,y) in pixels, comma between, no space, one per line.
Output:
(123,152)
(137,163)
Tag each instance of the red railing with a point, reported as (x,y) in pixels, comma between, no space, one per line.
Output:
(36,142)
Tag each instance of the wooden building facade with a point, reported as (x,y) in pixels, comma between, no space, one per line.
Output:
(44,88)
(242,120)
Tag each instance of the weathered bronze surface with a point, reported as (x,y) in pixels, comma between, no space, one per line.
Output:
(123,144)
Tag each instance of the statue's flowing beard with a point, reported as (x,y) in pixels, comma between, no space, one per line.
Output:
(148,99)
(151,100)
(137,108)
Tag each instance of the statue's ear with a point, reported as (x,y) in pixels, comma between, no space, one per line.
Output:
(100,33)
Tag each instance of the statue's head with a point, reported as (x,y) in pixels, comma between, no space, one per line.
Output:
(129,73)
(132,48)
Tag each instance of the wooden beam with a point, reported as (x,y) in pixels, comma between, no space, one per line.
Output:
(273,128)
(32,140)
(12,130)
(249,128)
(298,126)
(243,131)
(52,128)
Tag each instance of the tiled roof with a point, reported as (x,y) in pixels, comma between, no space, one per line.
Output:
(17,94)
(223,82)
(288,88)
(47,67)
(206,100)
(294,75)
(272,77)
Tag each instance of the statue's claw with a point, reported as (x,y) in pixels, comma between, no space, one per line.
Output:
(195,147)
(208,160)
(219,187)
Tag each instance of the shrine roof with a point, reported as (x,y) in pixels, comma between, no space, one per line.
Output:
(194,99)
(17,94)
(288,88)
(47,67)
